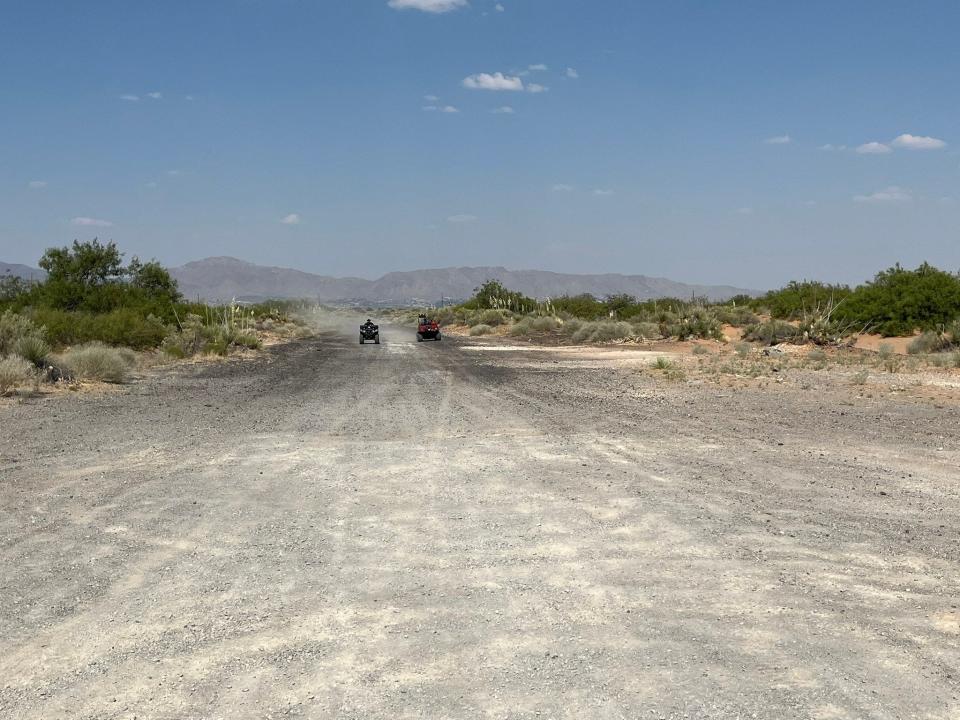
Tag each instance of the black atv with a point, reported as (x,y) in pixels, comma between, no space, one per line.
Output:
(369,331)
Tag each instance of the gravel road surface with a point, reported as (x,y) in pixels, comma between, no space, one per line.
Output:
(445,530)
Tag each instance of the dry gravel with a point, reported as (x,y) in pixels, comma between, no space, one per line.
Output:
(433,531)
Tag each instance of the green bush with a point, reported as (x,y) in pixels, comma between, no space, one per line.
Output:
(602,331)
(480,329)
(799,299)
(14,371)
(646,330)
(899,301)
(117,327)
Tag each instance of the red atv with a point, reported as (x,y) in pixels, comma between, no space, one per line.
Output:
(427,329)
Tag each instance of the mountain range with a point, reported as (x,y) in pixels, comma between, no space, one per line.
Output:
(226,278)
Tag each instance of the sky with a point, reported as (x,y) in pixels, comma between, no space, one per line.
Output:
(746,143)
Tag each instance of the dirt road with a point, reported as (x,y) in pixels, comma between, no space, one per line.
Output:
(438,530)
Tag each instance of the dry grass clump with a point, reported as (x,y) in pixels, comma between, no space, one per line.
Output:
(14,371)
(602,331)
(97,362)
(928,342)
(480,329)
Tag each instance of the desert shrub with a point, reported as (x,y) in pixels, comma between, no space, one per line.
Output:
(545,323)
(646,330)
(888,359)
(799,299)
(662,363)
(817,356)
(492,294)
(14,371)
(585,307)
(771,332)
(247,340)
(743,348)
(96,361)
(15,327)
(735,315)
(32,348)
(694,322)
(480,329)
(860,377)
(492,317)
(700,350)
(602,331)
(521,328)
(928,342)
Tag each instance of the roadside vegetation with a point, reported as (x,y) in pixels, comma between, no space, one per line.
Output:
(897,302)
(92,314)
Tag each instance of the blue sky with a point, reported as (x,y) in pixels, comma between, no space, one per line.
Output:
(702,141)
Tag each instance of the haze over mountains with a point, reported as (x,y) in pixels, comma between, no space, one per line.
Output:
(225,278)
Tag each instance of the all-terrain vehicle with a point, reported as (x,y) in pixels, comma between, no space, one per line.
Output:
(428,329)
(369,331)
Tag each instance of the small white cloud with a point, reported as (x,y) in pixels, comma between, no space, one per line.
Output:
(503,110)
(778,140)
(892,194)
(599,192)
(430,108)
(833,148)
(561,187)
(188,98)
(496,81)
(431,98)
(430,6)
(449,109)
(462,218)
(37,184)
(155,95)
(499,8)
(918,142)
(91,222)
(174,173)
(873,148)
(539,67)
(745,211)
(572,74)
(130,98)
(535,88)
(291,219)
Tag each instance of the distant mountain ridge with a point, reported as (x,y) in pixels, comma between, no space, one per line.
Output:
(226,278)
(23,271)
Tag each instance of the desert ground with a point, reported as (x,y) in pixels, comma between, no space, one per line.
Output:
(479,528)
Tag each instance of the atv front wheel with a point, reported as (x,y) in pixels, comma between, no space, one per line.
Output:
(361,339)
(376,339)
(419,337)
(439,337)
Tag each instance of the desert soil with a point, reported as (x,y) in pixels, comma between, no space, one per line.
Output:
(451,530)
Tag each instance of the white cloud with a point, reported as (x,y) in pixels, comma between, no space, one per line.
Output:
(892,194)
(291,219)
(430,6)
(174,173)
(155,95)
(503,110)
(535,88)
(431,98)
(462,218)
(572,74)
(601,193)
(539,67)
(37,184)
(499,8)
(918,142)
(561,187)
(439,108)
(873,148)
(91,222)
(449,109)
(496,81)
(188,97)
(130,98)
(830,148)
(778,140)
